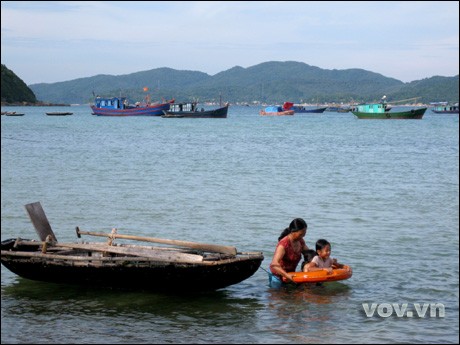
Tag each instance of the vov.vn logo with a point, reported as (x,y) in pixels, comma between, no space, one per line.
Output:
(432,310)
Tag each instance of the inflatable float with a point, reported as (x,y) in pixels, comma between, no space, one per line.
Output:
(321,276)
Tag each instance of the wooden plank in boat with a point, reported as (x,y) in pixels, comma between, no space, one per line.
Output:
(38,218)
(160,255)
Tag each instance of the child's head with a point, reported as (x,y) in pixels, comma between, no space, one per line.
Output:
(308,256)
(323,248)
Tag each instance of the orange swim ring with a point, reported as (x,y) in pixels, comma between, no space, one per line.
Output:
(321,276)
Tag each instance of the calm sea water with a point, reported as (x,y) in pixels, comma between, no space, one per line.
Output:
(384,193)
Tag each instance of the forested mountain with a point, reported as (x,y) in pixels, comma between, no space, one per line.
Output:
(14,90)
(269,82)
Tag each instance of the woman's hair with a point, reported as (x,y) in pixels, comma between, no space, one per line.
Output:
(296,225)
(321,243)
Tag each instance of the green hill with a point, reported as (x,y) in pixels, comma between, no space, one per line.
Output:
(270,82)
(14,90)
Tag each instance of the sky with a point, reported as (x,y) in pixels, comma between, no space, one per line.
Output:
(54,41)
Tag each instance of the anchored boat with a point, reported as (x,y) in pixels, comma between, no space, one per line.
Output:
(173,265)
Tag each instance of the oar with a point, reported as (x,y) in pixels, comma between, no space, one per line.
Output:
(195,245)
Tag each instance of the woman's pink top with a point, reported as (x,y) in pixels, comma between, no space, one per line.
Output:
(291,259)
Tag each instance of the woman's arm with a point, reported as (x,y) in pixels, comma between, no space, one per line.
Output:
(276,266)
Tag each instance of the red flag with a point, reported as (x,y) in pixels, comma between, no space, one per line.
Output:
(146,89)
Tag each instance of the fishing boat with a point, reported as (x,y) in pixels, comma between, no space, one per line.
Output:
(379,111)
(444,108)
(300,109)
(275,111)
(59,113)
(171,265)
(192,110)
(13,113)
(119,106)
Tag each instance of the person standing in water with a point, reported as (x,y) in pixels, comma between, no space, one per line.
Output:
(289,250)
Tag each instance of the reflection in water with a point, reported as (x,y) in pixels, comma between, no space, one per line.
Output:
(123,316)
(303,313)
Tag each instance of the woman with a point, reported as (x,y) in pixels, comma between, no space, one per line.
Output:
(289,250)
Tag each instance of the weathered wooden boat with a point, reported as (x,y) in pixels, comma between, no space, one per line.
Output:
(379,111)
(191,110)
(275,111)
(119,106)
(300,109)
(59,113)
(186,266)
(444,108)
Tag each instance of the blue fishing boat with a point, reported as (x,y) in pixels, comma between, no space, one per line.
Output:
(119,106)
(275,110)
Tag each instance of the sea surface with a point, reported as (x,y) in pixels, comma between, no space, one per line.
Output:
(385,193)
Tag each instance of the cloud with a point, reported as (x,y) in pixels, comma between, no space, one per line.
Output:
(114,37)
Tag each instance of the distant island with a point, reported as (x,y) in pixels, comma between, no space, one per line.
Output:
(271,82)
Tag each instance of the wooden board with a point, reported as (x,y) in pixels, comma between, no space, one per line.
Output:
(160,255)
(39,220)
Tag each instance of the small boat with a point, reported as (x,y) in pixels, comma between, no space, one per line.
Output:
(275,111)
(186,266)
(299,109)
(57,113)
(119,106)
(379,111)
(444,108)
(191,110)
(13,113)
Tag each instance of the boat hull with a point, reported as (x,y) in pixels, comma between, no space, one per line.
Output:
(309,111)
(154,110)
(412,114)
(220,113)
(130,272)
(59,114)
(278,113)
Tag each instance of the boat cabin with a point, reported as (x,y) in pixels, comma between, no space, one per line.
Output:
(445,107)
(371,108)
(180,107)
(111,103)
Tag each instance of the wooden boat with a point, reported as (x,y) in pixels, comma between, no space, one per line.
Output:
(57,113)
(444,108)
(119,106)
(275,111)
(187,266)
(299,109)
(379,111)
(191,110)
(13,113)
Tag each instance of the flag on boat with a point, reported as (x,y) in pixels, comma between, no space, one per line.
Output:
(146,89)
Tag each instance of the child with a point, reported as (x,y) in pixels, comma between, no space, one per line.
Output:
(323,260)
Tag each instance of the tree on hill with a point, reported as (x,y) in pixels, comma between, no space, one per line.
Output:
(14,90)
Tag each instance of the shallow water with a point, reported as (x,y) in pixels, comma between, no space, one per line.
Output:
(384,193)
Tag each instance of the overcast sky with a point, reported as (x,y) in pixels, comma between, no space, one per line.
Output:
(52,41)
